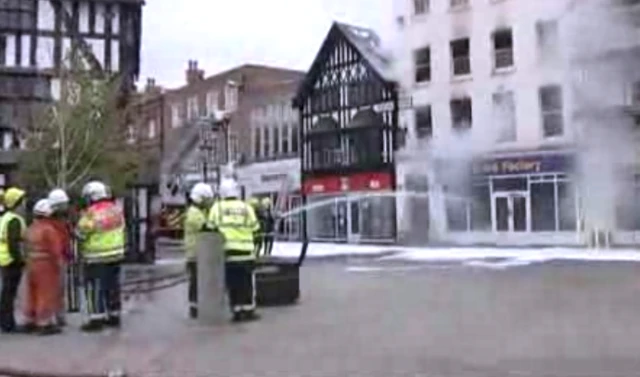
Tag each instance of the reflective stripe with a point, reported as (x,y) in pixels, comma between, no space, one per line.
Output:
(104,232)
(7,217)
(194,220)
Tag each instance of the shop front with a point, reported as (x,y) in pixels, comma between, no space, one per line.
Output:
(356,208)
(520,200)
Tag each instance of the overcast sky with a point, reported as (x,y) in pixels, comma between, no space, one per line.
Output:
(221,34)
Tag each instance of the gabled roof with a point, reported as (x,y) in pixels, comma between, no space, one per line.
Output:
(365,41)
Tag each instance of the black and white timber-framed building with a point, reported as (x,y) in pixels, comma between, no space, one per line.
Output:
(35,38)
(348,108)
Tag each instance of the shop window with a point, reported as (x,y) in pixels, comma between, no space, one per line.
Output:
(457,215)
(628,207)
(543,206)
(480,208)
(567,217)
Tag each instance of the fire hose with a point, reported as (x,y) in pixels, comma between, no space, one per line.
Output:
(10,372)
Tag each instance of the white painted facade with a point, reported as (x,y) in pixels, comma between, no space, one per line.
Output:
(545,44)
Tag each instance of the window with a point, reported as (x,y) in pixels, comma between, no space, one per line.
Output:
(231,97)
(131,134)
(422,61)
(285,139)
(176,116)
(294,139)
(152,129)
(213,98)
(424,123)
(543,206)
(267,143)
(276,141)
(233,146)
(192,108)
(503,49)
(3,50)
(551,108)
(420,6)
(461,57)
(456,4)
(504,110)
(257,143)
(461,113)
(548,38)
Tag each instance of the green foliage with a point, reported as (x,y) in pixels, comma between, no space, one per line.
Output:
(81,136)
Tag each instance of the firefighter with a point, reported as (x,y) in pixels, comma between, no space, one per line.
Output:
(12,230)
(59,201)
(258,237)
(195,221)
(101,231)
(45,249)
(268,225)
(237,222)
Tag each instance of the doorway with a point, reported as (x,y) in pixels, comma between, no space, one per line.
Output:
(353,218)
(511,212)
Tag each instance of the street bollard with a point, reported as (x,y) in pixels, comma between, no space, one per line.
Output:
(212,304)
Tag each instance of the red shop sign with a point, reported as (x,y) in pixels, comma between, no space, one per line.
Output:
(355,182)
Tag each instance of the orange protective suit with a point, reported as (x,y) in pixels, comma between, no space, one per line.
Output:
(45,248)
(63,229)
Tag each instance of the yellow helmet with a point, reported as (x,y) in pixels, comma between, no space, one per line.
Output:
(266,201)
(12,196)
(254,201)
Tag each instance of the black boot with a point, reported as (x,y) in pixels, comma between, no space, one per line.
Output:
(92,326)
(238,317)
(193,313)
(49,330)
(28,328)
(112,321)
(251,316)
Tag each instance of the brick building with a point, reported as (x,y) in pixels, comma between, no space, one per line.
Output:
(235,91)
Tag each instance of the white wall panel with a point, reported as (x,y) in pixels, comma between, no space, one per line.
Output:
(44,53)
(11,51)
(26,49)
(97,47)
(46,16)
(84,17)
(99,18)
(115,56)
(66,49)
(55,89)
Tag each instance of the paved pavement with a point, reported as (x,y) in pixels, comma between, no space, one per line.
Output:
(542,320)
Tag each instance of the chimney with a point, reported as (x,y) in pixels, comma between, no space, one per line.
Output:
(193,73)
(151,85)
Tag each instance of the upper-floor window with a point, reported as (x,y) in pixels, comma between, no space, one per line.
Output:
(266,142)
(176,116)
(551,107)
(503,49)
(634,98)
(420,6)
(461,113)
(18,14)
(461,57)
(3,50)
(257,142)
(192,107)
(457,4)
(424,122)
(295,138)
(422,62)
(504,109)
(213,104)
(131,134)
(231,97)
(234,146)
(276,140)
(285,138)
(152,129)
(548,38)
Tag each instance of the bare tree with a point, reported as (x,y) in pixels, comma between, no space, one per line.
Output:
(84,134)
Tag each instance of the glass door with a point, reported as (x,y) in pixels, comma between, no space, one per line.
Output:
(354,220)
(511,211)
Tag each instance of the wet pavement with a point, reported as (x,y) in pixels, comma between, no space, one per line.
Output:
(553,319)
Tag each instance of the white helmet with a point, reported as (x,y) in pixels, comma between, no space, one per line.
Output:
(43,208)
(201,192)
(58,197)
(95,191)
(229,188)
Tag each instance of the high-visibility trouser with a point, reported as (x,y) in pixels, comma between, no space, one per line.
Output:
(192,271)
(241,283)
